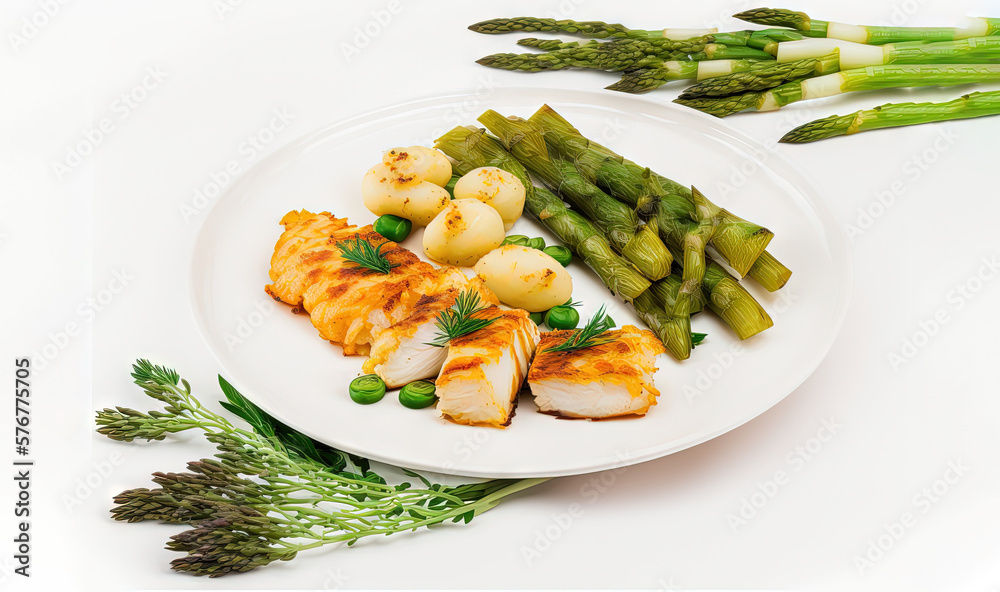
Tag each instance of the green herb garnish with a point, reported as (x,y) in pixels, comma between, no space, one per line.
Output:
(457,320)
(589,335)
(697,338)
(365,255)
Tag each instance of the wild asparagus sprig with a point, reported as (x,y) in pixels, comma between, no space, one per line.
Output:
(270,492)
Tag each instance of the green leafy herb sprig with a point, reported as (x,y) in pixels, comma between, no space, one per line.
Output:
(271,492)
(365,254)
(588,335)
(457,320)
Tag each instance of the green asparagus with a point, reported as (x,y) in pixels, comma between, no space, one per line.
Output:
(859,79)
(471,148)
(975,50)
(765,77)
(800,21)
(619,223)
(978,104)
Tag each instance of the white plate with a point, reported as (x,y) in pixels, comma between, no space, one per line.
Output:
(277,359)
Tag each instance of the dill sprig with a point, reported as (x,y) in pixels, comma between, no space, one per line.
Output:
(457,320)
(589,335)
(365,254)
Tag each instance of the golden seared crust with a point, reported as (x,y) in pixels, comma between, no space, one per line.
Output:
(627,360)
(307,253)
(425,310)
(512,333)
(347,303)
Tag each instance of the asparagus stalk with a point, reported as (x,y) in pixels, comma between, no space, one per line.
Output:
(619,223)
(975,50)
(769,272)
(471,148)
(553,44)
(673,331)
(621,54)
(601,30)
(654,76)
(870,78)
(739,241)
(978,104)
(665,291)
(728,299)
(597,29)
(800,21)
(764,77)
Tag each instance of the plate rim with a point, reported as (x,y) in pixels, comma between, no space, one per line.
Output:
(814,196)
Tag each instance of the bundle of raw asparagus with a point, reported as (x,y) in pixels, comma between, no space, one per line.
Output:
(770,68)
(641,233)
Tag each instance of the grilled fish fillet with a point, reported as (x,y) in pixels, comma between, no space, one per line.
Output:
(349,305)
(606,380)
(400,354)
(484,370)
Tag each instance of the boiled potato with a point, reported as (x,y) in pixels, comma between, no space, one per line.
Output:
(496,188)
(386,190)
(526,278)
(464,231)
(421,162)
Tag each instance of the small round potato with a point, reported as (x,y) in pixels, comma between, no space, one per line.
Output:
(385,191)
(464,231)
(496,188)
(526,278)
(421,162)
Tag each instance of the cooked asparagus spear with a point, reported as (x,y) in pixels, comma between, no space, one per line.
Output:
(471,148)
(975,50)
(598,29)
(767,76)
(601,30)
(619,223)
(871,78)
(621,54)
(654,76)
(800,21)
(977,104)
(739,241)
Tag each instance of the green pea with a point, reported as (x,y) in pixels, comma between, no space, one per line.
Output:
(559,253)
(562,317)
(418,395)
(537,317)
(536,243)
(367,389)
(393,228)
(515,239)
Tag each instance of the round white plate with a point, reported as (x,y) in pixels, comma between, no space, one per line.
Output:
(277,359)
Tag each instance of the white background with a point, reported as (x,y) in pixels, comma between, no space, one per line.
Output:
(658,525)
